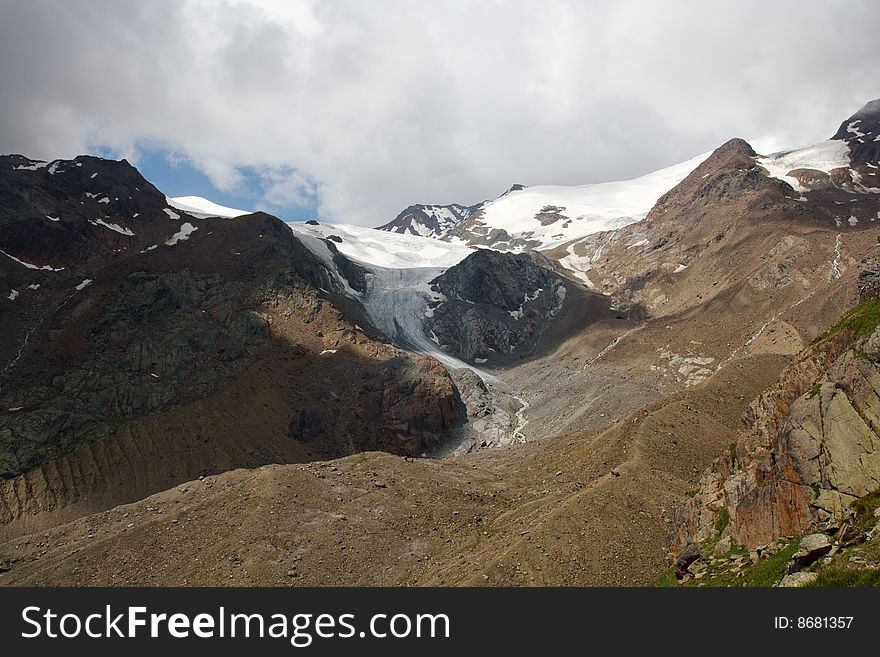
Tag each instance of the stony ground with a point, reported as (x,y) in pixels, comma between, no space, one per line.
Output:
(578,509)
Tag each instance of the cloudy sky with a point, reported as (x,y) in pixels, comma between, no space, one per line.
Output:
(351,110)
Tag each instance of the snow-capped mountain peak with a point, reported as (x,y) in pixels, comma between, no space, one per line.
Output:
(428,220)
(542,216)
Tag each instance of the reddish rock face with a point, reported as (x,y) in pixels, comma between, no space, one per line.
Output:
(811,447)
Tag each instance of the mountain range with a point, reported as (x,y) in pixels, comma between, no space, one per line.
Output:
(671,379)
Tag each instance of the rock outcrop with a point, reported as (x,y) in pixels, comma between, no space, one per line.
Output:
(811,447)
(127,370)
(862,132)
(495,305)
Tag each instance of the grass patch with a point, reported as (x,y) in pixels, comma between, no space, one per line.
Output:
(666,580)
(765,573)
(845,578)
(768,572)
(731,452)
(723,520)
(814,390)
(861,320)
(864,508)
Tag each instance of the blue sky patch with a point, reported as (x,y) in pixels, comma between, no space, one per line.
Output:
(176,176)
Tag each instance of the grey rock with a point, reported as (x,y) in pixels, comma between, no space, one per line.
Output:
(812,548)
(306,425)
(688,556)
(722,546)
(797,580)
(496,305)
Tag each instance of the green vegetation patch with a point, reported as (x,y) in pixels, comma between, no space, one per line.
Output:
(720,572)
(844,577)
(768,572)
(864,508)
(861,320)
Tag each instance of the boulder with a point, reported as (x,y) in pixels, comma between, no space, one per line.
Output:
(722,547)
(798,580)
(812,548)
(688,556)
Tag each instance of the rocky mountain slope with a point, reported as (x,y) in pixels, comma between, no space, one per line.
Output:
(494,306)
(571,510)
(428,220)
(811,447)
(618,367)
(224,345)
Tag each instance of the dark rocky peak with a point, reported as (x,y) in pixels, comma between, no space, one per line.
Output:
(427,220)
(862,132)
(496,306)
(69,211)
(866,120)
(84,172)
(513,188)
(499,279)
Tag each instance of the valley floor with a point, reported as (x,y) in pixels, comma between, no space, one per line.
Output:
(580,509)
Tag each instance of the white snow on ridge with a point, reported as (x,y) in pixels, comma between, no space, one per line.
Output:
(13,295)
(589,208)
(186,229)
(114,227)
(171,214)
(828,155)
(84,284)
(385,249)
(33,166)
(851,128)
(201,207)
(29,265)
(444,217)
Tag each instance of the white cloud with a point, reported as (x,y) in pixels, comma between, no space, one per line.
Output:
(382,104)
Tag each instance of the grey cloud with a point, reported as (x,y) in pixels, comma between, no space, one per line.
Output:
(376,105)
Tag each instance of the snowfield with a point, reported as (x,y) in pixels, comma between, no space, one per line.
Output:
(31,266)
(186,229)
(828,155)
(202,208)
(114,227)
(588,208)
(382,249)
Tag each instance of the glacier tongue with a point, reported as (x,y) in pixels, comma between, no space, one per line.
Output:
(396,301)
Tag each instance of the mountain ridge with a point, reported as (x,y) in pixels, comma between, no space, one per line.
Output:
(637,350)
